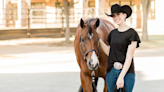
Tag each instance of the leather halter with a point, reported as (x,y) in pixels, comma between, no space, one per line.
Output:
(86,53)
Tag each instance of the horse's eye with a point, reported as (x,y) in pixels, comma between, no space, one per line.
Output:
(82,39)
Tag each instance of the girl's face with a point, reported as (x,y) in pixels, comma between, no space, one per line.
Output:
(119,18)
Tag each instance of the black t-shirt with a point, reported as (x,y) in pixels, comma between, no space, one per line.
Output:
(119,42)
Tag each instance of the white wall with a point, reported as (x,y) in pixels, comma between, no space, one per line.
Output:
(18,22)
(156,26)
(2,21)
(1,9)
(78,9)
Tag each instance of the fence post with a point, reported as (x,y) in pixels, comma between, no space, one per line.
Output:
(63,29)
(28,29)
(45,13)
(93,13)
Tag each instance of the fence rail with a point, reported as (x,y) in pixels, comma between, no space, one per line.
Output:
(14,18)
(31,18)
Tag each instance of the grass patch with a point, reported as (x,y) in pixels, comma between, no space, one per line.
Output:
(155,41)
(156,37)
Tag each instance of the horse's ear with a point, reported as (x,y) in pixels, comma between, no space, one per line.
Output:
(97,23)
(82,23)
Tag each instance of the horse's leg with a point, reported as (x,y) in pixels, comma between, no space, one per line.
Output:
(105,85)
(86,82)
(96,81)
(80,89)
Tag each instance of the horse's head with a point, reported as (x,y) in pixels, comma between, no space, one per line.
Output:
(89,43)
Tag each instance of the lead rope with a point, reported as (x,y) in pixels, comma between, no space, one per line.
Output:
(93,81)
(98,47)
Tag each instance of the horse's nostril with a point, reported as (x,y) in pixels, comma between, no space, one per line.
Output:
(97,65)
(92,65)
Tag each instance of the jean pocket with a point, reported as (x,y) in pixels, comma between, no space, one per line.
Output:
(130,75)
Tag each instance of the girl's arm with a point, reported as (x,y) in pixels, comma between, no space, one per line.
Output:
(104,47)
(128,60)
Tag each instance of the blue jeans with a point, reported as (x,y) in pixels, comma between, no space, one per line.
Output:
(111,78)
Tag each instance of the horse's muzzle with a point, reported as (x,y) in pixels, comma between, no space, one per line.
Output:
(92,66)
(93,62)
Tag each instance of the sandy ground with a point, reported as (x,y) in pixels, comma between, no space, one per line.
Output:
(49,65)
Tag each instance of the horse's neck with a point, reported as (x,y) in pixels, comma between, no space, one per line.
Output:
(102,30)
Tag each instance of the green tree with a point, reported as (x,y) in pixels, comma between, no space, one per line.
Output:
(145,12)
(67,8)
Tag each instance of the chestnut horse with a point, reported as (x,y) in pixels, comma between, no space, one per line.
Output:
(89,55)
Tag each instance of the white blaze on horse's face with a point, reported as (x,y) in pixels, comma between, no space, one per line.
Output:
(90,35)
(94,61)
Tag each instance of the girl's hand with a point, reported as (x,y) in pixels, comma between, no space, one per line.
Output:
(120,82)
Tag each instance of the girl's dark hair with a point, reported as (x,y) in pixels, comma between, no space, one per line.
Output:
(124,13)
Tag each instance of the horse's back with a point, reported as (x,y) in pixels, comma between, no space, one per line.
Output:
(104,29)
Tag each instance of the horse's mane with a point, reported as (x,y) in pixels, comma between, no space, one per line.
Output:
(88,23)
